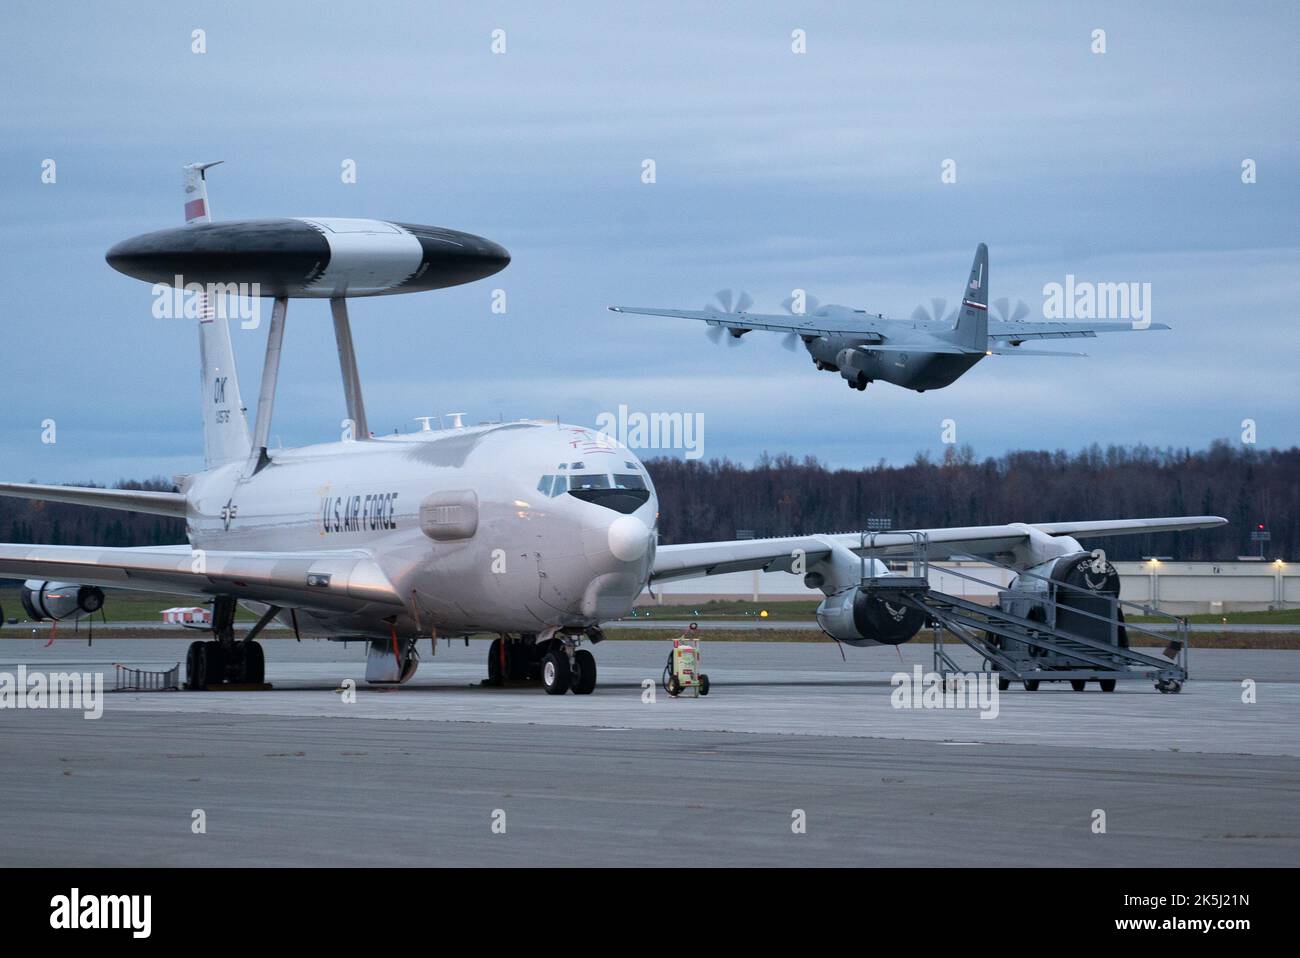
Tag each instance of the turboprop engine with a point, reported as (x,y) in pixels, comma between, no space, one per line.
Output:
(60,600)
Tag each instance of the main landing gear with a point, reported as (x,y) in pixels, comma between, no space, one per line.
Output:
(556,662)
(223,660)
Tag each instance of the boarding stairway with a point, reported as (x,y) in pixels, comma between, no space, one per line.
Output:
(1031,650)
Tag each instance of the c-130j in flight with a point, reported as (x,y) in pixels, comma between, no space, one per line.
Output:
(924,352)
(535,532)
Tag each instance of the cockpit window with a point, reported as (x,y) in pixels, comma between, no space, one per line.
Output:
(621,491)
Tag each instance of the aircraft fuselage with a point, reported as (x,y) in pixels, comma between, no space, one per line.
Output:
(852,357)
(456,520)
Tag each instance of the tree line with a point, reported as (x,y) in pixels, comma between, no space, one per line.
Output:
(704,500)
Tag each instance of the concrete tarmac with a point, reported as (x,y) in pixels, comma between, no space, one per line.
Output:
(422,774)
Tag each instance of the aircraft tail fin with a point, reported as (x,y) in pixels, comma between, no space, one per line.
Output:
(225,425)
(972,327)
(196,192)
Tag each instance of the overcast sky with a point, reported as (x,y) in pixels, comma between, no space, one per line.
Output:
(775,171)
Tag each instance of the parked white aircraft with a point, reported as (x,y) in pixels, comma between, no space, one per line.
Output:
(534,531)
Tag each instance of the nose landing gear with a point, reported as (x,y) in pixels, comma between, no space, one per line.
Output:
(566,667)
(556,662)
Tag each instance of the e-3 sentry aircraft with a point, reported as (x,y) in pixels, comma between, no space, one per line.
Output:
(533,531)
(924,352)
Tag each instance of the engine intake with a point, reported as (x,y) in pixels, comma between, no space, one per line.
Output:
(1070,592)
(60,600)
(857,617)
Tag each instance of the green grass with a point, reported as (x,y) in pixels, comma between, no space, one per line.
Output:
(786,610)
(121,605)
(1275,617)
(1199,640)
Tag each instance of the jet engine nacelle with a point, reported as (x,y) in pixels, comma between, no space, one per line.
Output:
(1082,570)
(858,618)
(60,600)
(1070,592)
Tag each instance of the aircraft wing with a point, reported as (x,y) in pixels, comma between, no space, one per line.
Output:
(811,325)
(1019,331)
(132,500)
(694,560)
(342,581)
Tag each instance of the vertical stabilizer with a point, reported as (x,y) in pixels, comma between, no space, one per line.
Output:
(972,327)
(225,426)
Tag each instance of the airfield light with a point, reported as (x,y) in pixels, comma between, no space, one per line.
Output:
(763,614)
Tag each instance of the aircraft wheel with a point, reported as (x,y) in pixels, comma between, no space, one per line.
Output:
(1031,685)
(254,663)
(214,663)
(704,684)
(1078,684)
(584,679)
(194,670)
(555,672)
(1107,685)
(494,662)
(1003,684)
